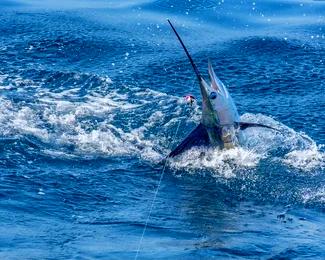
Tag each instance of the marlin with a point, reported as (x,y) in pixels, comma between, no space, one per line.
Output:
(220,124)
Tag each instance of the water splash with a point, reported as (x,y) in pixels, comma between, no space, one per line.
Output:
(306,160)
(313,195)
(221,163)
(296,150)
(87,123)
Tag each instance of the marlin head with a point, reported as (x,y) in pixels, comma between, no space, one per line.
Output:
(226,111)
(221,101)
(219,111)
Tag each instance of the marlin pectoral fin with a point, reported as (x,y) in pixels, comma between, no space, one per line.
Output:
(244,125)
(198,137)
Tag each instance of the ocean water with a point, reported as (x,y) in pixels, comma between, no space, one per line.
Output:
(91,101)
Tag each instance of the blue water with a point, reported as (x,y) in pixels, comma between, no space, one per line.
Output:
(91,101)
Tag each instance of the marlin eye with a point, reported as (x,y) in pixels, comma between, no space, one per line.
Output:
(213,95)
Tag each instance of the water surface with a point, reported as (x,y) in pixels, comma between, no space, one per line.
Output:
(91,99)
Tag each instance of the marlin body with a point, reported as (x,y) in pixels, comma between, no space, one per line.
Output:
(220,123)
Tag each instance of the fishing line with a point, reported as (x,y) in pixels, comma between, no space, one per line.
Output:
(155,196)
(156,192)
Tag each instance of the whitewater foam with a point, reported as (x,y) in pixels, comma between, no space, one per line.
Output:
(306,160)
(223,163)
(313,195)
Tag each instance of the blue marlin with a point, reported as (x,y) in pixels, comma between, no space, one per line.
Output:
(220,124)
